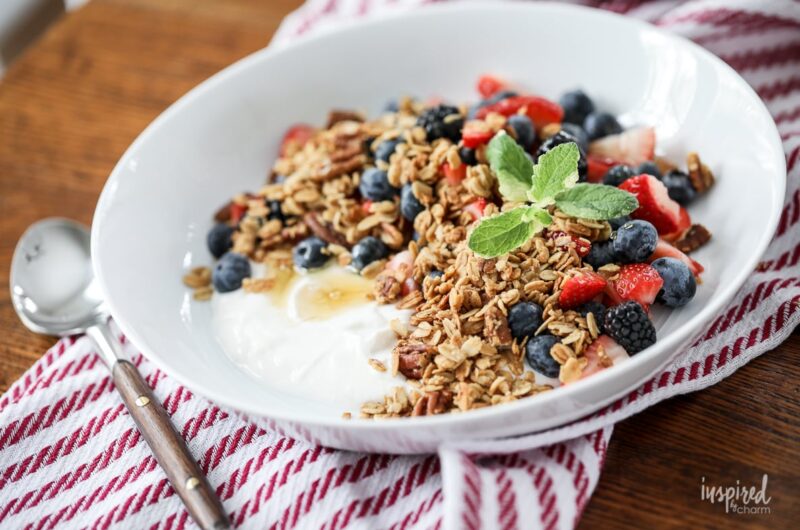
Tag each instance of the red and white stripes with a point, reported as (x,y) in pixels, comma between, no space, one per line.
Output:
(70,455)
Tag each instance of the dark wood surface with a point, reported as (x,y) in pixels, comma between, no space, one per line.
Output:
(74,101)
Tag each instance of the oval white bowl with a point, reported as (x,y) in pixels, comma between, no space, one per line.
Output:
(222,137)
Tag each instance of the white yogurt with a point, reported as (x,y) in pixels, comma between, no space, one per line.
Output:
(286,341)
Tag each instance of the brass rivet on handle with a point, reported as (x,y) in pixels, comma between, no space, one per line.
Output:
(192,483)
(142,401)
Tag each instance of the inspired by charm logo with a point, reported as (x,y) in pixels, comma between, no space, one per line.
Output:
(738,499)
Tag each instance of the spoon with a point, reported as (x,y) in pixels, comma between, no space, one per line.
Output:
(54,292)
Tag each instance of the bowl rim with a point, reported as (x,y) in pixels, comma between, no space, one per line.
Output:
(671,341)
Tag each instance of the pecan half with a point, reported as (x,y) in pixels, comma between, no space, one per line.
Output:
(699,173)
(337,115)
(438,401)
(410,356)
(495,327)
(322,230)
(223,215)
(337,169)
(387,288)
(692,239)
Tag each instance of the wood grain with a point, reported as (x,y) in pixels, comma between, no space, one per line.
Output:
(75,100)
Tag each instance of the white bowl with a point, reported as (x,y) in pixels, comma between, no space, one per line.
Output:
(222,137)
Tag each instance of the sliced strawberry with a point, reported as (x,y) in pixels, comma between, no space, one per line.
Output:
(631,147)
(598,166)
(541,111)
(476,133)
(595,363)
(639,282)
(454,176)
(611,297)
(402,262)
(580,289)
(489,85)
(582,246)
(665,250)
(684,223)
(409,286)
(366,204)
(476,208)
(237,212)
(655,206)
(295,138)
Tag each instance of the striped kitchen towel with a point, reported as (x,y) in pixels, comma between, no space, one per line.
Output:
(70,456)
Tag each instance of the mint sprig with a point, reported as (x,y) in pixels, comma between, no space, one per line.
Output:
(552,181)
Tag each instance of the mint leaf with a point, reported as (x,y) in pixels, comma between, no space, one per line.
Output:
(596,201)
(513,169)
(537,214)
(504,232)
(555,171)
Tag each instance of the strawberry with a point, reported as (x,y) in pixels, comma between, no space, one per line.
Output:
(580,289)
(476,133)
(594,363)
(684,223)
(665,250)
(366,204)
(403,263)
(476,208)
(582,246)
(655,206)
(639,282)
(454,176)
(237,212)
(631,147)
(295,138)
(489,85)
(598,166)
(541,111)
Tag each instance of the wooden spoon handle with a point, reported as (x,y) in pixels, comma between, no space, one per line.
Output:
(169,448)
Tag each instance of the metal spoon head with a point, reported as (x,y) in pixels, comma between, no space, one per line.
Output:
(53,288)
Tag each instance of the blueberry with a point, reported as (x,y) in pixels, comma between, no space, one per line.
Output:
(467,156)
(368,250)
(410,206)
(309,253)
(635,241)
(601,253)
(415,236)
(392,105)
(679,283)
(523,130)
(649,168)
(679,187)
(219,239)
(577,105)
(275,211)
(524,318)
(278,179)
(599,124)
(435,274)
(375,185)
(563,137)
(441,121)
(386,148)
(537,351)
(229,272)
(629,325)
(618,221)
(617,175)
(579,134)
(598,310)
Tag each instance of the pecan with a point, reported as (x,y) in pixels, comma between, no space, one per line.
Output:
(699,173)
(347,151)
(337,115)
(420,406)
(337,169)
(322,230)
(387,288)
(438,401)
(695,237)
(496,328)
(223,215)
(410,355)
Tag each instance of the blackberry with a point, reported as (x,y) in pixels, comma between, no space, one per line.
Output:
(441,121)
(629,325)
(563,137)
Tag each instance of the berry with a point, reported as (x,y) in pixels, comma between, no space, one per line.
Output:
(679,283)
(310,253)
(275,211)
(476,208)
(375,185)
(665,250)
(631,147)
(582,246)
(523,129)
(649,168)
(368,250)
(454,176)
(563,137)
(595,363)
(601,253)
(629,325)
(541,111)
(219,239)
(597,309)
(237,212)
(441,121)
(577,105)
(524,318)
(679,187)
(475,134)
(410,206)
(635,241)
(489,85)
(655,206)
(386,148)
(392,105)
(617,175)
(229,272)
(435,274)
(618,221)
(579,134)
(295,138)
(600,124)
(684,223)
(639,282)
(467,156)
(580,289)
(598,166)
(537,351)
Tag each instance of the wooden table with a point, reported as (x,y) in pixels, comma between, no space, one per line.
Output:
(74,101)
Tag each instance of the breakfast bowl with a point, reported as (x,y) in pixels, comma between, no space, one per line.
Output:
(222,138)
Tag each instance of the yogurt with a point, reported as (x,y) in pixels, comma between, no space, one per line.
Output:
(312,336)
